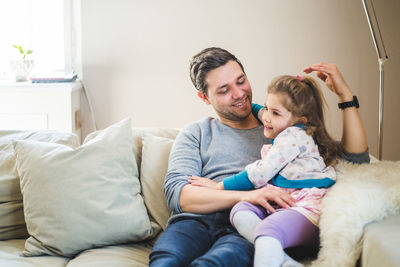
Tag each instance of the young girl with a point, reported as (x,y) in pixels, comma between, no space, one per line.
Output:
(299,161)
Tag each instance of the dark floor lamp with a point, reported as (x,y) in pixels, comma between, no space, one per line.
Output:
(382,57)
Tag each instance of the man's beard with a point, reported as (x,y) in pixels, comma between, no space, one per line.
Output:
(234,116)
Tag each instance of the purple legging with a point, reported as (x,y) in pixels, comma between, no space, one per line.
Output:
(288,226)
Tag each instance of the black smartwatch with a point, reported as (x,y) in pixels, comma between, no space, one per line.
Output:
(349,104)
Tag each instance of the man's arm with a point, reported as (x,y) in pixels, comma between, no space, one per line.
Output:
(199,199)
(184,161)
(354,138)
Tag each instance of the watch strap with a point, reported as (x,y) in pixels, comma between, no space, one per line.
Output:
(348,104)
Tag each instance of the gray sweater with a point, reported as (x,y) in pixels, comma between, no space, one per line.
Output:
(209,148)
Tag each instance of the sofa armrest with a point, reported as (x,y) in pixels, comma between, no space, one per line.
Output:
(381,243)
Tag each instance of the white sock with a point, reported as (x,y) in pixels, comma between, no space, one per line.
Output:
(245,222)
(268,252)
(290,262)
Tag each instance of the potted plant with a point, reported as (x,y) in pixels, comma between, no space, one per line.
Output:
(22,67)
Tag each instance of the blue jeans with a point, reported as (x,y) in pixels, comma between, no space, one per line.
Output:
(207,240)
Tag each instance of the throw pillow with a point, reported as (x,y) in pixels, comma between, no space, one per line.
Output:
(155,154)
(77,199)
(12,222)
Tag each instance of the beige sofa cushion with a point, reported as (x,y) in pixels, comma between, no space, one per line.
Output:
(129,255)
(12,223)
(77,199)
(139,133)
(155,154)
(10,251)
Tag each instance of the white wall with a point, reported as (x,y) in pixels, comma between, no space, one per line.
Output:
(135,55)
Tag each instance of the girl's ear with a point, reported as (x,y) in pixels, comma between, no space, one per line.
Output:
(303,120)
(203,97)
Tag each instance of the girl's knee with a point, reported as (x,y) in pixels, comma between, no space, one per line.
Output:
(247,206)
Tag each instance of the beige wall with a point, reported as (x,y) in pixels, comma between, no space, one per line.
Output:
(135,55)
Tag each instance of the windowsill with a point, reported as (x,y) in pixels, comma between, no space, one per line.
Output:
(9,84)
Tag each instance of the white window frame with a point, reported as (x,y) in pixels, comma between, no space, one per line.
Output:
(67,35)
(71,35)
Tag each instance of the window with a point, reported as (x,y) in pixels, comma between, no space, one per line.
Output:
(39,25)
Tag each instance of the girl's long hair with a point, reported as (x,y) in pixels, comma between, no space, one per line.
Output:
(303,98)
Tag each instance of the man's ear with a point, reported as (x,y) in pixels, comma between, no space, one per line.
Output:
(203,97)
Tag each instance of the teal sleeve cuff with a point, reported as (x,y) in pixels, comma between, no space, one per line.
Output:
(238,182)
(281,181)
(255,108)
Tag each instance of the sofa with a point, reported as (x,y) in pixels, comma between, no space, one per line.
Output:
(63,203)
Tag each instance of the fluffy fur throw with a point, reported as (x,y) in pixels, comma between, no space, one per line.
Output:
(362,194)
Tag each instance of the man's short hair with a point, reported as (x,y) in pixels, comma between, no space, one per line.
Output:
(207,60)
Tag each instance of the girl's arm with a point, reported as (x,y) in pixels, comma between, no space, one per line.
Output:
(205,182)
(258,173)
(239,182)
(257,111)
(354,138)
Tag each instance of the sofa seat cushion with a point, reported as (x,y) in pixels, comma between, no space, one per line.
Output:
(127,255)
(381,243)
(121,255)
(10,251)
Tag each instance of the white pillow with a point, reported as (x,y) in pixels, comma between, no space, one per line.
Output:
(155,154)
(76,199)
(12,222)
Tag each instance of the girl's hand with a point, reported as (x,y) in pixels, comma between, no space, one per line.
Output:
(205,182)
(330,74)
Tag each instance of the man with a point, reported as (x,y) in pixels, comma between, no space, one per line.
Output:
(199,232)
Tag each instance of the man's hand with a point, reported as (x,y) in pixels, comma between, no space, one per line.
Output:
(205,182)
(265,195)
